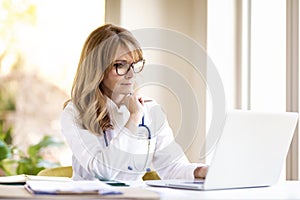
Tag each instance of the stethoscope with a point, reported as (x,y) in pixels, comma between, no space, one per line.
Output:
(143,125)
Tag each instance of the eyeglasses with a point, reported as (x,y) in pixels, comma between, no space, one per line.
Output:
(123,68)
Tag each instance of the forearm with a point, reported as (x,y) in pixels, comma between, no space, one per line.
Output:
(133,123)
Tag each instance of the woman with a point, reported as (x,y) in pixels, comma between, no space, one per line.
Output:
(113,132)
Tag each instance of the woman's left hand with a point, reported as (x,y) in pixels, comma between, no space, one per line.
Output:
(200,172)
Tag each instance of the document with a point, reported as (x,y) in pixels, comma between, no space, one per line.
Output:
(70,187)
(22,178)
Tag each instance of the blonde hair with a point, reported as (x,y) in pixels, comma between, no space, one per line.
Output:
(97,56)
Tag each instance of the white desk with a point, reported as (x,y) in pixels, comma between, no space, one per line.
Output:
(138,190)
(282,190)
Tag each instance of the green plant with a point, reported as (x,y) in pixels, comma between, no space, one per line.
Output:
(14,161)
(7,97)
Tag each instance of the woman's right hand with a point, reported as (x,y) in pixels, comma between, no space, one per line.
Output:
(134,104)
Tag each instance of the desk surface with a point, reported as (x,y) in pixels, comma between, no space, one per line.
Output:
(19,192)
(282,190)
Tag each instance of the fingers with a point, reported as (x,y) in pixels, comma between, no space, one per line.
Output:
(200,172)
(136,97)
(134,103)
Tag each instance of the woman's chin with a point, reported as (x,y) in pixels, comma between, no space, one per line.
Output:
(127,92)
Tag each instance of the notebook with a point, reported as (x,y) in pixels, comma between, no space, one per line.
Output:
(22,178)
(250,152)
(70,187)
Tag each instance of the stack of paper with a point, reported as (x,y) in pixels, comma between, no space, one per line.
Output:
(22,178)
(70,187)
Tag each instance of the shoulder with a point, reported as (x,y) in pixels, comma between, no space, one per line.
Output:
(154,112)
(70,110)
(150,104)
(69,106)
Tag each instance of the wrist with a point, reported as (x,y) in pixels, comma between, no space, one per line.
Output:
(135,118)
(133,122)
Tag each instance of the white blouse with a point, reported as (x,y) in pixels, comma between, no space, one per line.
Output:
(121,155)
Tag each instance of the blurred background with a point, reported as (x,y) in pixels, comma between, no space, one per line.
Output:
(40,45)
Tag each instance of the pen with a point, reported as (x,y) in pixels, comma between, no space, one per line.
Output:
(111,182)
(115,183)
(144,101)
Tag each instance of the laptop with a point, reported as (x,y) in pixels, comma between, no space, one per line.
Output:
(251,152)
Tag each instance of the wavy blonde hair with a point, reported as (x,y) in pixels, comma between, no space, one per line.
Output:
(97,57)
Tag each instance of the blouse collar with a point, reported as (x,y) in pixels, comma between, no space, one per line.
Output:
(118,115)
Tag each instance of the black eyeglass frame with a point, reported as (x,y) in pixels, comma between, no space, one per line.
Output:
(130,66)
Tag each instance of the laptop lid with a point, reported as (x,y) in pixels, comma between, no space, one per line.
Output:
(250,152)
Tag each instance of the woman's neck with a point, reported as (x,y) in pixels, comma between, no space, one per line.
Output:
(118,99)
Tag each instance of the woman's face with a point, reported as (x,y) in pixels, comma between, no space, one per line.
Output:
(114,84)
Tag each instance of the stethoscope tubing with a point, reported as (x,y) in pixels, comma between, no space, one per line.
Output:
(149,139)
(140,125)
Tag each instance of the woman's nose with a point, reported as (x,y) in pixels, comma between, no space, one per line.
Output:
(130,73)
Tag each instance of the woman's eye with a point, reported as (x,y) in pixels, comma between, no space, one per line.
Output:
(119,65)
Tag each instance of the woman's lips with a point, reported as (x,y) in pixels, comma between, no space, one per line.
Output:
(128,84)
